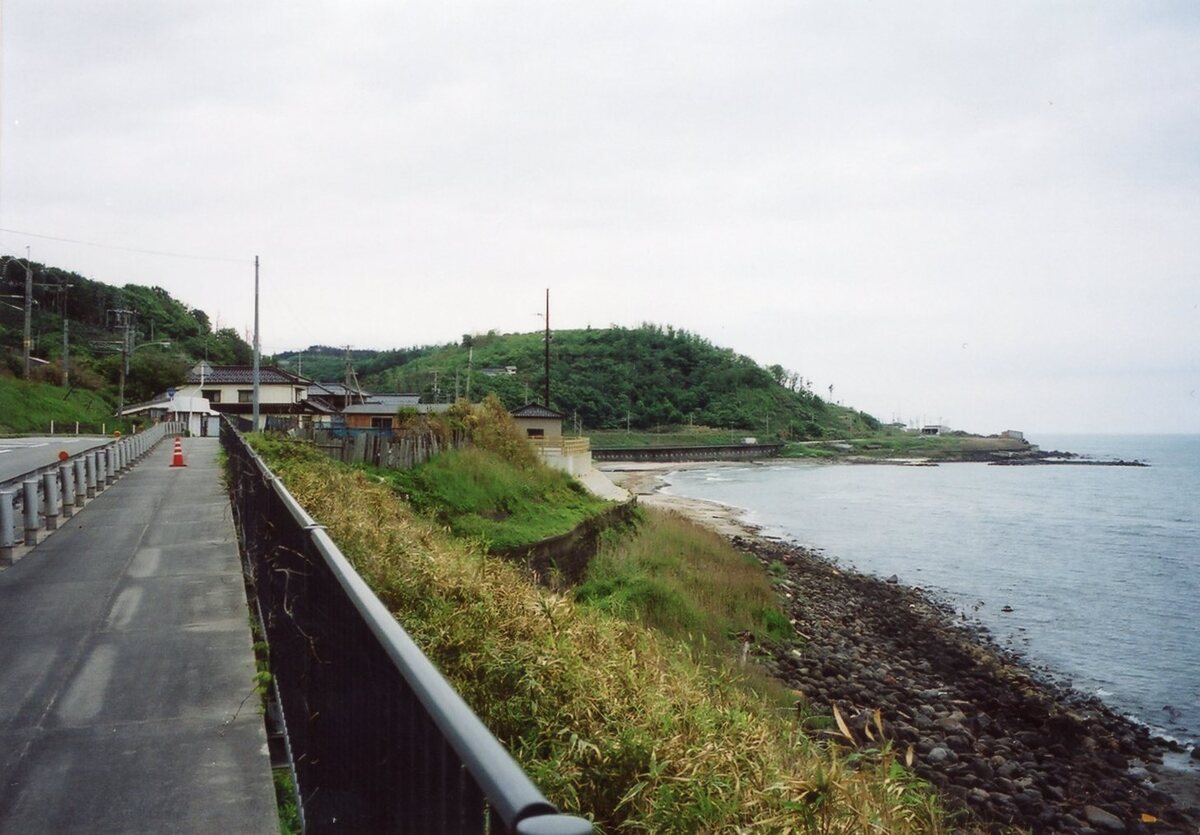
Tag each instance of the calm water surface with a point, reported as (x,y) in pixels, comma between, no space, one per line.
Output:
(1101,565)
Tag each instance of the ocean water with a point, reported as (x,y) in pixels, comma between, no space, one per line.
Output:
(1100,565)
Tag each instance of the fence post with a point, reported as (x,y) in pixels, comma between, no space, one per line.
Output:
(30,504)
(81,485)
(7,523)
(66,474)
(50,492)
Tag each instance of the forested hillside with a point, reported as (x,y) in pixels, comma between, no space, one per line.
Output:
(96,329)
(644,377)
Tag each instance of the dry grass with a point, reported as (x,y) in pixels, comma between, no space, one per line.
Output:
(610,720)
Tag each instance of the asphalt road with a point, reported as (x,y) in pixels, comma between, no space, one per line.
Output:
(21,455)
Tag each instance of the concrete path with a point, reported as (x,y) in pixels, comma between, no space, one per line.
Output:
(126,668)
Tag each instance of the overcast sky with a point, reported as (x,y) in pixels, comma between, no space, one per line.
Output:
(986,214)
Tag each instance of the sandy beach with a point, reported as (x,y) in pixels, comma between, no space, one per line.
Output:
(645,480)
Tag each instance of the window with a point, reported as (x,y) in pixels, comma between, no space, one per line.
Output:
(381,423)
(211,395)
(535,433)
(245,395)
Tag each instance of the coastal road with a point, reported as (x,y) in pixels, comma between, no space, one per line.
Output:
(21,455)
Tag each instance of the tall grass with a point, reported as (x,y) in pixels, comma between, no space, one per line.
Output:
(684,580)
(611,720)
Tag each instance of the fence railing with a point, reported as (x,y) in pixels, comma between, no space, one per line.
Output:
(379,741)
(564,446)
(32,503)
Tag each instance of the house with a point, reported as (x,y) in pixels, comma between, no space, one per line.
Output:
(539,423)
(379,412)
(1012,435)
(336,395)
(230,389)
(498,371)
(934,429)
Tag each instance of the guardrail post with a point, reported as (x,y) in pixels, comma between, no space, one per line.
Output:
(81,485)
(50,492)
(30,505)
(110,460)
(122,463)
(66,475)
(93,481)
(8,522)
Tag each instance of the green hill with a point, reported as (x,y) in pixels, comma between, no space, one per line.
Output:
(96,327)
(645,378)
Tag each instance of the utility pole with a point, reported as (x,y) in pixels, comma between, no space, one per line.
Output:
(28,312)
(470,360)
(546,394)
(123,321)
(65,355)
(254,407)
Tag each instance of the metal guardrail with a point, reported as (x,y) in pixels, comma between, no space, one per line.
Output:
(725,452)
(40,497)
(378,740)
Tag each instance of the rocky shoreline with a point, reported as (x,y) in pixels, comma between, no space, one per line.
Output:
(1000,743)
(990,735)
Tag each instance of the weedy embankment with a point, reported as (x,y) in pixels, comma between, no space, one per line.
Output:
(611,719)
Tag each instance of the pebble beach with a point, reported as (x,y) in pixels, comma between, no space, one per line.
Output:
(999,742)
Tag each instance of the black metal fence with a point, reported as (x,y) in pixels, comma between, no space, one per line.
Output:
(378,740)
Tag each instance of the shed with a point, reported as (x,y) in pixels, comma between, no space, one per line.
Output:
(539,423)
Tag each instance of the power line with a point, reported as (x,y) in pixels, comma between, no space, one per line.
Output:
(130,248)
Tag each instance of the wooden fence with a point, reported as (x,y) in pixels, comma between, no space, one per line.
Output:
(399,450)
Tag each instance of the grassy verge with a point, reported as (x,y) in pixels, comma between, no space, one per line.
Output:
(30,407)
(610,719)
(478,493)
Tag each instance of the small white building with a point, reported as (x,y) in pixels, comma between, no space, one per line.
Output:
(195,413)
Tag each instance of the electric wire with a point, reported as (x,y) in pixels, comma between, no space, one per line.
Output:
(164,253)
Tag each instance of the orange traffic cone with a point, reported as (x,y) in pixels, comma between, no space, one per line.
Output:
(177,461)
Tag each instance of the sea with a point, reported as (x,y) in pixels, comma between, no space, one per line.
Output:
(1090,574)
